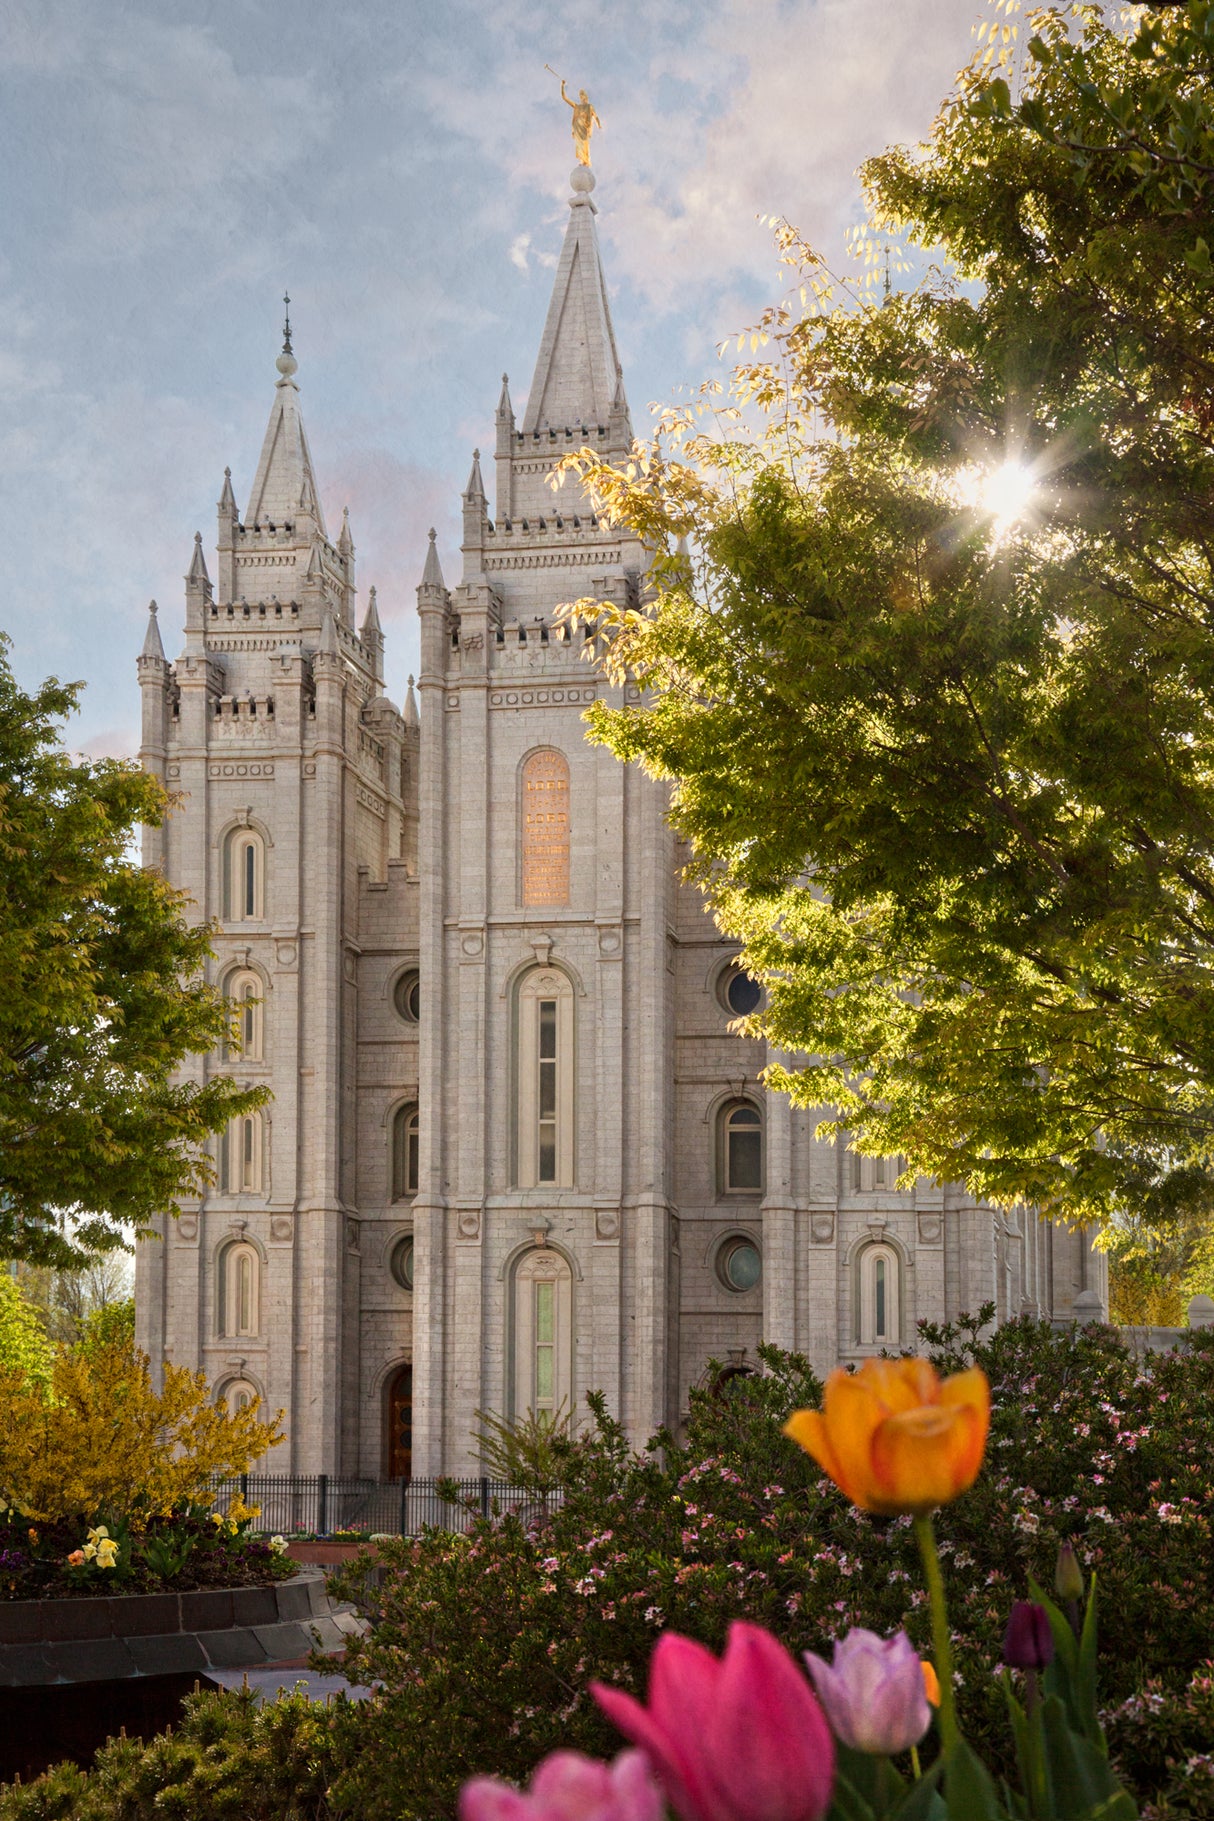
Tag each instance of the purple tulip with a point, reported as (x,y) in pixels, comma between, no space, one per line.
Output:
(739,1739)
(1029,1642)
(569,1787)
(874,1692)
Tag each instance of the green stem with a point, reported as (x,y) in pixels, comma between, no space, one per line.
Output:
(942,1646)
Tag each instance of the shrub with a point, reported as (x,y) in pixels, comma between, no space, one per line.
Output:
(1163,1740)
(228,1760)
(485,1643)
(102,1439)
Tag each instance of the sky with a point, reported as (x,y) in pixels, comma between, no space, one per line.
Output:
(402,168)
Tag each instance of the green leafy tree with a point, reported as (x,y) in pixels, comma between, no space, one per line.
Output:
(935,686)
(24,1347)
(104,999)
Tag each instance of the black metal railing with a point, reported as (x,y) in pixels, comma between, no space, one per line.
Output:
(323,1503)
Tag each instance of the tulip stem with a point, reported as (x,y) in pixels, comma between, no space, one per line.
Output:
(942,1645)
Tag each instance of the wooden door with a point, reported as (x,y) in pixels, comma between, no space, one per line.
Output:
(400,1425)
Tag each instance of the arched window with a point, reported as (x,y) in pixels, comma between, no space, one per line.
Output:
(543,1333)
(880,1297)
(239,1289)
(240,1156)
(740,1148)
(546,828)
(244,993)
(404,1153)
(545,1098)
(244,876)
(238,1394)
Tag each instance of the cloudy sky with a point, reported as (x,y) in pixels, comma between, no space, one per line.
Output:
(402,168)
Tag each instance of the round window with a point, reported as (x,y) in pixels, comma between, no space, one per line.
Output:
(741,995)
(739,1264)
(402,1262)
(406,996)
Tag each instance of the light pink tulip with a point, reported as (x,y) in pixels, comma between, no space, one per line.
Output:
(569,1787)
(874,1692)
(740,1739)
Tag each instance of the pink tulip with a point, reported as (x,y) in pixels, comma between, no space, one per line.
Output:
(568,1787)
(874,1693)
(742,1739)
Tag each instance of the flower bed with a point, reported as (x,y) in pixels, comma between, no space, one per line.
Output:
(179,1552)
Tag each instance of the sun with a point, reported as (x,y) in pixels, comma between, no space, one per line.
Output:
(1004,494)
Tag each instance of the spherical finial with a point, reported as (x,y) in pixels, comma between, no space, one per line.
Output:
(198,537)
(476,455)
(287,365)
(433,534)
(152,607)
(581,179)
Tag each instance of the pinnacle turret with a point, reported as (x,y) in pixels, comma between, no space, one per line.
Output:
(227,499)
(152,645)
(475,490)
(410,715)
(371,626)
(577,373)
(285,485)
(345,543)
(432,574)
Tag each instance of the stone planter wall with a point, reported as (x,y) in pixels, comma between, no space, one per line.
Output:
(106,1639)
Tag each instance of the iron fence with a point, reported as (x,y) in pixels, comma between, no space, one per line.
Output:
(323,1503)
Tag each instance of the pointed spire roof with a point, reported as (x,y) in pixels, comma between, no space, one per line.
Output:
(411,716)
(576,374)
(371,623)
(345,543)
(504,406)
(227,499)
(152,646)
(197,572)
(285,483)
(328,636)
(475,490)
(432,574)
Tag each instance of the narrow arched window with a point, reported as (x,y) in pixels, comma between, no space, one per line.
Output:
(244,876)
(237,1395)
(243,991)
(546,828)
(542,1362)
(545,1094)
(239,1289)
(240,1156)
(740,1148)
(880,1297)
(404,1153)
(869,1173)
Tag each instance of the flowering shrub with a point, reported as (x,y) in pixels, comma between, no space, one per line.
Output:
(103,1439)
(485,1643)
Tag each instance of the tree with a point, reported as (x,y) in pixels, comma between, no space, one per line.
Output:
(68,1302)
(103,1000)
(25,1351)
(936,686)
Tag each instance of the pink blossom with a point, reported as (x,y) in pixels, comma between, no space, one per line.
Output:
(874,1692)
(568,1787)
(736,1739)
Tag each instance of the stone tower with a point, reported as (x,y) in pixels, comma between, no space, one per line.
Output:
(517,1149)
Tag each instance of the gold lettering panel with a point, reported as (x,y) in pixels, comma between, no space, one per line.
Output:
(546,829)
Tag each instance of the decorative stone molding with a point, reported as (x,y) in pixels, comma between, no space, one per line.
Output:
(472,942)
(468,1223)
(282,1226)
(353,1236)
(821,1229)
(931,1229)
(187,1228)
(606,1224)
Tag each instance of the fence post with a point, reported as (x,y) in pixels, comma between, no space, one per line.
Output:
(322,1516)
(404,1507)
(244,1488)
(484,1496)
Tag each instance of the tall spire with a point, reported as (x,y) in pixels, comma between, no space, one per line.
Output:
(152,646)
(432,574)
(577,371)
(285,484)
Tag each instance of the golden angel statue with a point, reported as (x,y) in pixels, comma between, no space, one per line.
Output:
(584,122)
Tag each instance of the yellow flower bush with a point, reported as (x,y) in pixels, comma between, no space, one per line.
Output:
(103,1438)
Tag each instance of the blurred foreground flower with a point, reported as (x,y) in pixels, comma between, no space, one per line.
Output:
(569,1787)
(895,1436)
(1029,1642)
(736,1739)
(874,1693)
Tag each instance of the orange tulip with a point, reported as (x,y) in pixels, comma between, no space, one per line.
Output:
(931,1681)
(895,1436)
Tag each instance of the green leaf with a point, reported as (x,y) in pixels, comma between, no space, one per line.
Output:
(969,1791)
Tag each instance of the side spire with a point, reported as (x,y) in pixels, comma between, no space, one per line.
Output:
(475,490)
(371,626)
(227,499)
(411,717)
(432,574)
(577,373)
(285,483)
(152,645)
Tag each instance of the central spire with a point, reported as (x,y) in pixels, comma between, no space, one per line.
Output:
(577,375)
(285,485)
